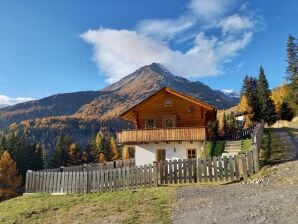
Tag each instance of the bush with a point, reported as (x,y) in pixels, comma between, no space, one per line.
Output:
(214,148)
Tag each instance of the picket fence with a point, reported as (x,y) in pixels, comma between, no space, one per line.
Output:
(209,169)
(93,166)
(91,181)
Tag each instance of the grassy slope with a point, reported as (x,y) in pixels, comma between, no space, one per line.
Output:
(127,206)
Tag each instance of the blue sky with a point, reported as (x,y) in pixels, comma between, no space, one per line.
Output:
(57,46)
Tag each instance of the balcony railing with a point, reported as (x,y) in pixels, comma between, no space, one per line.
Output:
(164,134)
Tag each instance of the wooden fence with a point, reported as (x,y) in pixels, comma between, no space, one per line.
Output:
(239,135)
(209,169)
(93,166)
(91,181)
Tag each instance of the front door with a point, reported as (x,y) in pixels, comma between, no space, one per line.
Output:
(169,121)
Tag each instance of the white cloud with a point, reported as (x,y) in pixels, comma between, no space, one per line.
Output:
(211,10)
(235,23)
(165,29)
(5,100)
(120,52)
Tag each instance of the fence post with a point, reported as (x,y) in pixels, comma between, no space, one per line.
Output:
(155,174)
(28,175)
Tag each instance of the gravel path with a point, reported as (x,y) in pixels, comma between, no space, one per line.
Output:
(270,199)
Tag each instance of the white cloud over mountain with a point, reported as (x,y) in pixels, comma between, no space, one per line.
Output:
(214,32)
(5,100)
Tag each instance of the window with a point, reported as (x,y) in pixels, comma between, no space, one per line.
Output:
(191,153)
(160,155)
(168,102)
(150,123)
(169,122)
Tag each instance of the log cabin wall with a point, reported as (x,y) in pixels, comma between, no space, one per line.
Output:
(186,113)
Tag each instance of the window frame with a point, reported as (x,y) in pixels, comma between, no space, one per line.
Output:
(191,149)
(154,121)
(168,105)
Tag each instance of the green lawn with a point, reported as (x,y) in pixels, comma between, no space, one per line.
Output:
(127,206)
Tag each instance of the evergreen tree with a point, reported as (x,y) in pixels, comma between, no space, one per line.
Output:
(59,157)
(249,89)
(266,104)
(10,181)
(270,116)
(224,124)
(292,73)
(286,113)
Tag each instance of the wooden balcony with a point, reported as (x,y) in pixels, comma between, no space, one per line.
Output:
(162,135)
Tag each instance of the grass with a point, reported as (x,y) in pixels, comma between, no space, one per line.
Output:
(246,145)
(273,149)
(128,206)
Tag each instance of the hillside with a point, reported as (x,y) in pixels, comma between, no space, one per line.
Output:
(81,114)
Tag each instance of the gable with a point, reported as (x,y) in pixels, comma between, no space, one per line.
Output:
(156,102)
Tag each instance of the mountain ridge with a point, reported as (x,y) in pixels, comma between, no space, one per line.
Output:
(87,111)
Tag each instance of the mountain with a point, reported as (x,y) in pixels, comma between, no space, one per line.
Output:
(81,114)
(3,105)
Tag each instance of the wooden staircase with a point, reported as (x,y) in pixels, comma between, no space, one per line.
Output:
(232,148)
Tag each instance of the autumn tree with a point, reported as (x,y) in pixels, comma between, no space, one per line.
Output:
(73,155)
(101,157)
(244,107)
(278,95)
(125,154)
(10,181)
(114,153)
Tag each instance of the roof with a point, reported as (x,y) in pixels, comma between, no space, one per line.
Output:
(174,92)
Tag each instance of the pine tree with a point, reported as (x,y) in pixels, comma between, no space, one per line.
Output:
(270,116)
(84,157)
(292,73)
(249,89)
(267,107)
(286,113)
(224,124)
(60,154)
(10,181)
(114,153)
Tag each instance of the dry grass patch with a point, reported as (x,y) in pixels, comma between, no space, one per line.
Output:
(128,206)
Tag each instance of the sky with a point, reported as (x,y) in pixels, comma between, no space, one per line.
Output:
(58,46)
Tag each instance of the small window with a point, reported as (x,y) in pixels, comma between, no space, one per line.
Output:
(168,102)
(150,123)
(191,153)
(160,155)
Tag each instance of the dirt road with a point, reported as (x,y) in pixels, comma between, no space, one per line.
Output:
(270,199)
